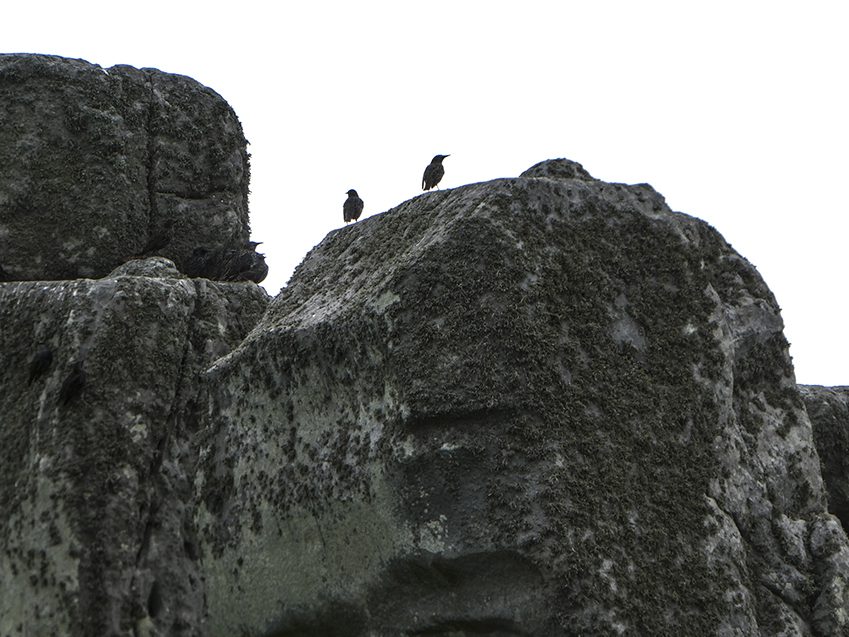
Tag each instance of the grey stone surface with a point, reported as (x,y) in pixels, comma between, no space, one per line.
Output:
(828,408)
(97,533)
(537,406)
(98,164)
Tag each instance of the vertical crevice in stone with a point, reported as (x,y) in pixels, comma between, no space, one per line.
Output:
(153,215)
(162,493)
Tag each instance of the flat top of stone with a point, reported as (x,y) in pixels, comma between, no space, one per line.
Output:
(153,267)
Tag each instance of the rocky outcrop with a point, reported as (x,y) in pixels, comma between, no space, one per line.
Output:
(541,406)
(536,406)
(828,408)
(102,387)
(100,165)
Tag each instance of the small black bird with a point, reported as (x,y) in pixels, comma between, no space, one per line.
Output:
(40,362)
(433,173)
(353,206)
(73,384)
(244,265)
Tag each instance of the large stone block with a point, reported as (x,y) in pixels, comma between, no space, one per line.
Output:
(545,406)
(103,164)
(101,389)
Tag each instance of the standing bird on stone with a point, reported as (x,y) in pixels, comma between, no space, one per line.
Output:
(433,173)
(353,207)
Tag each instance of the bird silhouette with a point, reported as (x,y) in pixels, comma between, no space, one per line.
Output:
(244,265)
(227,264)
(353,206)
(433,173)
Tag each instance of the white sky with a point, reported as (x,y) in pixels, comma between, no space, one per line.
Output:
(736,111)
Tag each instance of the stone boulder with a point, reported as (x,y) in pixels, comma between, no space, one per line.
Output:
(101,392)
(100,165)
(542,406)
(828,408)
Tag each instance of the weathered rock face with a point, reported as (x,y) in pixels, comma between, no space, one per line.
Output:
(535,406)
(100,393)
(828,408)
(103,164)
(544,406)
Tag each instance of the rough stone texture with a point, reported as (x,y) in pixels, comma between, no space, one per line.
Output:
(96,532)
(535,406)
(97,162)
(828,408)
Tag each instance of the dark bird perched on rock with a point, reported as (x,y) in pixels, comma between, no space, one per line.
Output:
(353,206)
(224,264)
(40,362)
(244,265)
(433,173)
(73,384)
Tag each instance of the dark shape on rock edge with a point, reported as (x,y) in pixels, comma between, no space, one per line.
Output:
(353,206)
(73,384)
(433,173)
(40,362)
(245,265)
(219,264)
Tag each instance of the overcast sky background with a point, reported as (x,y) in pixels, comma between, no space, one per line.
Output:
(737,112)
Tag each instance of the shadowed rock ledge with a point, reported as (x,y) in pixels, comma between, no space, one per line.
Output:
(537,406)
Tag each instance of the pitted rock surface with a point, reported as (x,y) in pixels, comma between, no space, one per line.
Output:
(828,408)
(97,534)
(546,405)
(101,165)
